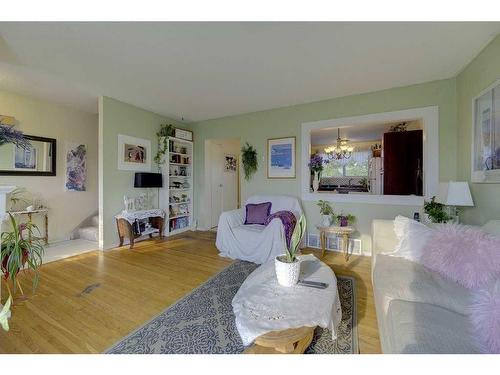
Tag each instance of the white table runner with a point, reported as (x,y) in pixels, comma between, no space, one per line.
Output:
(130,216)
(261,305)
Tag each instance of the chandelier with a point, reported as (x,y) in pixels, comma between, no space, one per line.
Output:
(341,150)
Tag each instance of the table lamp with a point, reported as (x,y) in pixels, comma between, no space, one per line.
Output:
(453,194)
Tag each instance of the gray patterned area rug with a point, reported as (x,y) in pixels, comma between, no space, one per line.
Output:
(203,321)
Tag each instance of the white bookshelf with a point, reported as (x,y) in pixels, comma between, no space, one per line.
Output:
(176,198)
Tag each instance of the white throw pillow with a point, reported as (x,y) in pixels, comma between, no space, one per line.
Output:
(412,237)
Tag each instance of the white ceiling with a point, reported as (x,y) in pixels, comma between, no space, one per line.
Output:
(207,70)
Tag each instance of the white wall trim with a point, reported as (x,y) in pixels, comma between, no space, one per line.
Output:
(429,116)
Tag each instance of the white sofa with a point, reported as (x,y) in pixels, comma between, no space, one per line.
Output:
(418,311)
(255,243)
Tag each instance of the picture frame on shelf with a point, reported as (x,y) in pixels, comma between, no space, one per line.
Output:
(281,161)
(485,150)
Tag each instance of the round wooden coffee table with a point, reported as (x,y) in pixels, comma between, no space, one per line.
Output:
(288,341)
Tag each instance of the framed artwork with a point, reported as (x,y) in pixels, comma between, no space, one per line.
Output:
(485,158)
(230,163)
(25,158)
(76,167)
(281,157)
(134,154)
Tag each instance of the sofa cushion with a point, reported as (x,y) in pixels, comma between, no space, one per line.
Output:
(398,278)
(257,213)
(425,328)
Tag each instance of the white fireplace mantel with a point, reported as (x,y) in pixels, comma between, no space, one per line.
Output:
(4,190)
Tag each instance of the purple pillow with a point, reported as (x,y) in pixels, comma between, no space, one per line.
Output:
(485,316)
(464,254)
(257,213)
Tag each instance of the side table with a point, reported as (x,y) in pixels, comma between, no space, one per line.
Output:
(344,232)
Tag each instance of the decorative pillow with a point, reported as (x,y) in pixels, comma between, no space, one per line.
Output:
(257,213)
(464,254)
(485,316)
(412,237)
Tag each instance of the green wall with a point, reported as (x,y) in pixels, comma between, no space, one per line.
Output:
(115,118)
(483,71)
(257,127)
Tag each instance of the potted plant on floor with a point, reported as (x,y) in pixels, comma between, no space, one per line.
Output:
(326,212)
(288,265)
(18,253)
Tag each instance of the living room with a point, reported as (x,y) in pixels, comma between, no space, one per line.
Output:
(160,195)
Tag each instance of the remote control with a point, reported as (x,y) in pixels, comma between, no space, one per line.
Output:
(313,284)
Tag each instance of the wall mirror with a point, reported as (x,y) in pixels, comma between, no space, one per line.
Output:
(37,160)
(388,158)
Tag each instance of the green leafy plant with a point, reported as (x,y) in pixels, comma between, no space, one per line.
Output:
(17,252)
(249,160)
(435,211)
(325,208)
(298,233)
(344,219)
(166,131)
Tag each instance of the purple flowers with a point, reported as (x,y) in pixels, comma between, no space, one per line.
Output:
(316,163)
(9,135)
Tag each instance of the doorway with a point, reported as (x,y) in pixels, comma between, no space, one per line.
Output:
(221,178)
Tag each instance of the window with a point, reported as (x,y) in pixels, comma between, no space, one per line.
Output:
(355,166)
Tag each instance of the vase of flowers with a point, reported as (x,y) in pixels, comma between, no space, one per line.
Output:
(345,220)
(316,166)
(287,266)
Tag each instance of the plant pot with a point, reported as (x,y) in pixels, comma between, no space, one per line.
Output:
(326,221)
(316,182)
(343,221)
(286,272)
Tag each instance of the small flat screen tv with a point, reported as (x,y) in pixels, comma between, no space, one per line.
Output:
(148,180)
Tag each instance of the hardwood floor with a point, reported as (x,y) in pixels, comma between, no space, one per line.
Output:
(86,303)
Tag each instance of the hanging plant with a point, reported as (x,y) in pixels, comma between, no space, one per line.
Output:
(249,160)
(165,132)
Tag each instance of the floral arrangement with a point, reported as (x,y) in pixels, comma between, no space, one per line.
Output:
(10,135)
(344,220)
(316,163)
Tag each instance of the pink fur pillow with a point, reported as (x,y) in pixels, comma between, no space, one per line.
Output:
(465,254)
(485,316)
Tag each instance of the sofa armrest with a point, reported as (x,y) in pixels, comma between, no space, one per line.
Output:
(232,218)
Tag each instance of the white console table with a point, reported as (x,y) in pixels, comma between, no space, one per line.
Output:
(4,190)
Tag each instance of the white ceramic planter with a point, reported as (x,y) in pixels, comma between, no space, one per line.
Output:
(325,220)
(287,273)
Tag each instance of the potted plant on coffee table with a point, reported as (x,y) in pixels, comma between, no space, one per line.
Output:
(288,265)
(18,253)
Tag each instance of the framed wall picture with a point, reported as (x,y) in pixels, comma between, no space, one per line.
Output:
(76,167)
(281,157)
(230,163)
(485,158)
(134,154)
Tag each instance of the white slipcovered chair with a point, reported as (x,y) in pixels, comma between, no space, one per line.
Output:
(255,243)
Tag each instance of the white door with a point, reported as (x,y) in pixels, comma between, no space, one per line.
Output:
(223,184)
(217,183)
